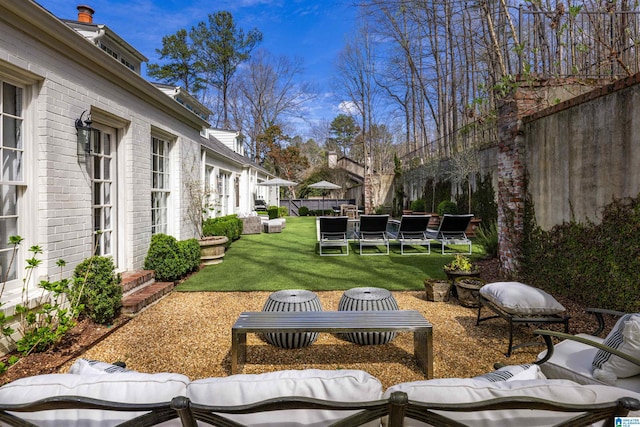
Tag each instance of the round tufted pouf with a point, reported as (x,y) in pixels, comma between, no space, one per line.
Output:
(292,300)
(369,299)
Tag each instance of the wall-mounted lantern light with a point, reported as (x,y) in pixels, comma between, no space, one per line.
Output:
(84,129)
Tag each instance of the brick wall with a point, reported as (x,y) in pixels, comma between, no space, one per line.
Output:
(578,147)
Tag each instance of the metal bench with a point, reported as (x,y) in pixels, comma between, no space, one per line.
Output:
(334,322)
(512,319)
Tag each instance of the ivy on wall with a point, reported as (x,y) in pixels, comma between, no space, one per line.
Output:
(597,265)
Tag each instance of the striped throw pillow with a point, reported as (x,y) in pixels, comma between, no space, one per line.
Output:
(527,371)
(625,336)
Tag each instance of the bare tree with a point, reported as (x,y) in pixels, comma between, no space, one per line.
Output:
(268,93)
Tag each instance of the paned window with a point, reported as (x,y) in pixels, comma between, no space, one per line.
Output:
(103,197)
(159,185)
(11,177)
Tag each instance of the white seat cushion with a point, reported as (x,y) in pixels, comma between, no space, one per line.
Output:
(573,361)
(625,336)
(129,387)
(339,385)
(468,390)
(520,299)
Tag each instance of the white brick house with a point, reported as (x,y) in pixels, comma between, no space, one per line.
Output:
(144,146)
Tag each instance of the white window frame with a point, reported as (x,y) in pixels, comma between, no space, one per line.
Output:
(160,184)
(105,243)
(12,184)
(224,181)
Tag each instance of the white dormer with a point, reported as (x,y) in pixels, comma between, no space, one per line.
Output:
(185,99)
(228,138)
(105,39)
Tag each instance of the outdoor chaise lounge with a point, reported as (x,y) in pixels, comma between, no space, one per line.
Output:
(452,231)
(413,231)
(591,359)
(260,205)
(333,234)
(373,232)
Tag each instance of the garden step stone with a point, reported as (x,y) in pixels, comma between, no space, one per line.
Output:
(133,280)
(145,296)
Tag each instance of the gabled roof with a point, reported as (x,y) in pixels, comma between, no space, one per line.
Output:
(29,16)
(93,32)
(221,150)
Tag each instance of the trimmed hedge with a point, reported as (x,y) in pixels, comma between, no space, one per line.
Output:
(228,225)
(165,258)
(190,250)
(419,205)
(274,212)
(447,207)
(171,259)
(101,292)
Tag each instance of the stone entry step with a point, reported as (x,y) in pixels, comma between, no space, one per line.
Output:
(140,290)
(132,280)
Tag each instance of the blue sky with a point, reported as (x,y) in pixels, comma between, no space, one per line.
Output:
(312,29)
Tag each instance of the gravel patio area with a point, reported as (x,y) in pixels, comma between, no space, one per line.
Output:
(190,333)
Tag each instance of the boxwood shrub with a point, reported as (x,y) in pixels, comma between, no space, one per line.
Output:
(190,250)
(97,287)
(274,212)
(447,207)
(228,225)
(165,258)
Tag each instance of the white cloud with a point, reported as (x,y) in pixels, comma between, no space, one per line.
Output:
(348,107)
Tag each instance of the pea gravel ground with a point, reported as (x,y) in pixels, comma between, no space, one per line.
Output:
(190,333)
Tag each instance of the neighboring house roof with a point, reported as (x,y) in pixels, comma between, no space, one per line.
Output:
(354,170)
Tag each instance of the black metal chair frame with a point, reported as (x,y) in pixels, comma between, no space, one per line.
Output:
(513,319)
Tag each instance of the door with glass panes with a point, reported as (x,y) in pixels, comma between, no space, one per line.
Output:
(104,201)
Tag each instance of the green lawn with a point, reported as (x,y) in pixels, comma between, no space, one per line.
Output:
(289,260)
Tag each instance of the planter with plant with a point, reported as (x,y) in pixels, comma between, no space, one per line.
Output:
(467,289)
(460,266)
(447,207)
(419,207)
(213,238)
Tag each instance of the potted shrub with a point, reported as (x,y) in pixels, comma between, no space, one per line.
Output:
(419,206)
(447,207)
(218,233)
(461,266)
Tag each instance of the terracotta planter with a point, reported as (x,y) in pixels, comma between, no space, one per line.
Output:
(437,290)
(467,289)
(212,249)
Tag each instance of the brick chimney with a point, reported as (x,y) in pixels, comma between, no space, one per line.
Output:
(332,159)
(85,14)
